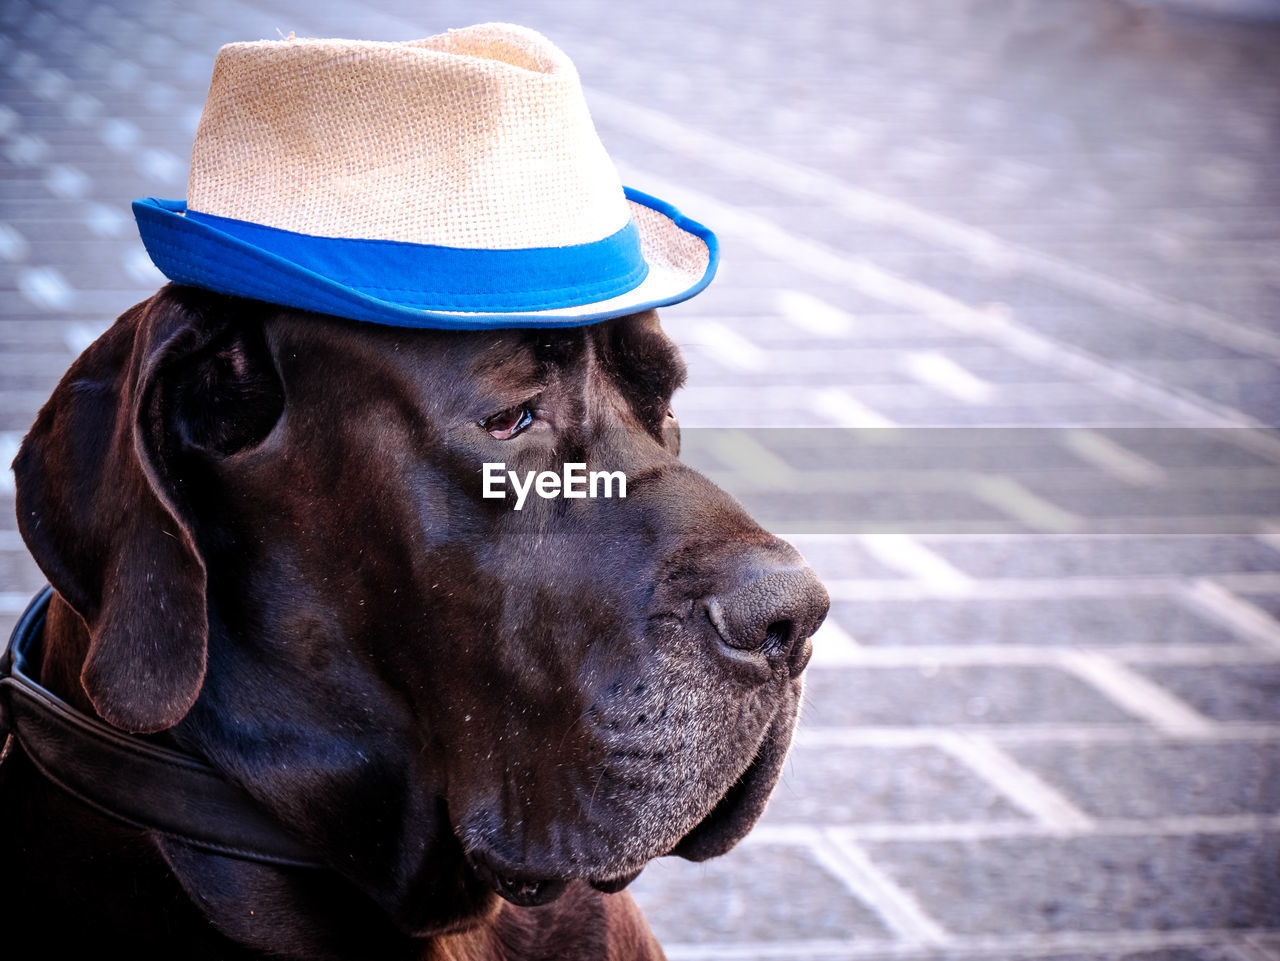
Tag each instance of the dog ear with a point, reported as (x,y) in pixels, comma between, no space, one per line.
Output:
(102,512)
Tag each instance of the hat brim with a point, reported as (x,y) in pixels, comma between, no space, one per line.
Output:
(681,255)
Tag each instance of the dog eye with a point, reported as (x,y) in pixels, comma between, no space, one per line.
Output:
(508,423)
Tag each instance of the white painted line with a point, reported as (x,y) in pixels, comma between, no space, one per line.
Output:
(1135,733)
(931,656)
(833,646)
(981,246)
(24,65)
(934,474)
(119,135)
(979,947)
(191,119)
(1044,803)
(49,84)
(1137,694)
(1251,952)
(26,149)
(13,246)
(78,336)
(869,589)
(1007,495)
(162,166)
(943,374)
(139,268)
(992,324)
(725,345)
(124,74)
(816,258)
(1167,525)
(1246,619)
(45,288)
(106,221)
(844,480)
(1166,401)
(9,443)
(1048,588)
(159,97)
(82,107)
(743,453)
(13,602)
(812,315)
(1118,461)
(759,950)
(721,405)
(67,182)
(895,906)
(907,555)
(1249,824)
(1263,442)
(839,408)
(1257,951)
(1269,534)
(908,831)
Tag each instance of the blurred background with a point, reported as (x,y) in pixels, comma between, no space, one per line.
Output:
(994,342)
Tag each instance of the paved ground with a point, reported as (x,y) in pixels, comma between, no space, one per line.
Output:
(1044,720)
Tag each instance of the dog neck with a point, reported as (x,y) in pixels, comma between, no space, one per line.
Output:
(137,781)
(296,903)
(292,902)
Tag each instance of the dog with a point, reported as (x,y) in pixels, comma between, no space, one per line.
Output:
(270,550)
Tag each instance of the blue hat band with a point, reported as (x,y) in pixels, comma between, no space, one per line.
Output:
(451,278)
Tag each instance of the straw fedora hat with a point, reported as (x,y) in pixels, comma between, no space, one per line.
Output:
(452,182)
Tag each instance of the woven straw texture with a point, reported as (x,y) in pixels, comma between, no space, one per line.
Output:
(475,138)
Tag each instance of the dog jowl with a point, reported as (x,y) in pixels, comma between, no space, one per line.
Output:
(270,543)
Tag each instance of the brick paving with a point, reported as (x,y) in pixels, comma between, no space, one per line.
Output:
(1043,720)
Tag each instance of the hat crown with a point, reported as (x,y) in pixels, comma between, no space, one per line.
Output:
(476,138)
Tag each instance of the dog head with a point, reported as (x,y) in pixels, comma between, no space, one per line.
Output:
(274,527)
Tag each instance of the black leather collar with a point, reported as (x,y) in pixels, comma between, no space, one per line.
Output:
(142,784)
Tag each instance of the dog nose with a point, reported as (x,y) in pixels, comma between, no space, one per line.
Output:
(767,618)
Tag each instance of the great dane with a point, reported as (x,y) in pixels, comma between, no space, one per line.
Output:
(272,556)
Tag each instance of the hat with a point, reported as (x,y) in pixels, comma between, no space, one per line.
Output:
(452,182)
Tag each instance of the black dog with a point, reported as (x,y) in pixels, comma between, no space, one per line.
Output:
(270,548)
